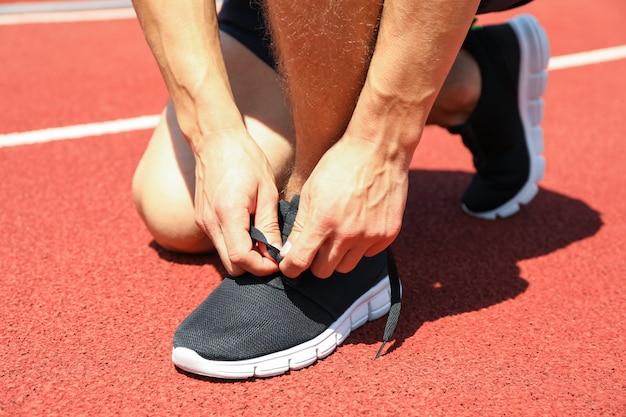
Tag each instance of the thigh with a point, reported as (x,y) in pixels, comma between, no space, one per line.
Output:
(260,98)
(164,181)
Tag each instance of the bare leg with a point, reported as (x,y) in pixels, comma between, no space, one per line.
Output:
(324,49)
(459,94)
(164,182)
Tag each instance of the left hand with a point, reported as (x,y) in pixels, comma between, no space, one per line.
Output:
(351,206)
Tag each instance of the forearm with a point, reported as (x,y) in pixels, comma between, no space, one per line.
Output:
(184,40)
(416,46)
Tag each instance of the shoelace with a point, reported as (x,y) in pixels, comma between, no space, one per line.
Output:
(394,285)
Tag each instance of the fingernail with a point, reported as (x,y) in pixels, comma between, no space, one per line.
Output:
(286,248)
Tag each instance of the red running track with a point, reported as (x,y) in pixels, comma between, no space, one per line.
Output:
(518,317)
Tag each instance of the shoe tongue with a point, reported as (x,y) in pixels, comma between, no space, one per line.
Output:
(287,215)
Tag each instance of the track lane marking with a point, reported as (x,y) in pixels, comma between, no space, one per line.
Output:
(69,16)
(79,131)
(62,6)
(587,58)
(150,121)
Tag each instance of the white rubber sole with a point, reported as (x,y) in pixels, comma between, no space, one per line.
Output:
(533,78)
(372,305)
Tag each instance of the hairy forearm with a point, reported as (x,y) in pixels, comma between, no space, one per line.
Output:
(416,46)
(184,40)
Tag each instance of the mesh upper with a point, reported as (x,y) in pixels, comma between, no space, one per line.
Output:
(246,317)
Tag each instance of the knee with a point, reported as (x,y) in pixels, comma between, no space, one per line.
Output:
(460,92)
(460,96)
(167,213)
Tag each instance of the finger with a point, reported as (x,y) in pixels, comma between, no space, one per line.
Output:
(213,230)
(263,249)
(300,249)
(341,258)
(378,247)
(266,219)
(350,260)
(326,260)
(220,247)
(239,247)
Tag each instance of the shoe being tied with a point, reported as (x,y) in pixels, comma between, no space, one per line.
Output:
(503,133)
(265,326)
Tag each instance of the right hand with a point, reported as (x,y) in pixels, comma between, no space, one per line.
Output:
(235,184)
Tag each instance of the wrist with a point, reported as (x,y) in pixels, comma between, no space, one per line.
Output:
(207,119)
(391,122)
(216,141)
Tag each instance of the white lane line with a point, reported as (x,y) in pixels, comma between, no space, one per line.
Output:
(68,16)
(587,58)
(79,131)
(68,11)
(63,6)
(149,122)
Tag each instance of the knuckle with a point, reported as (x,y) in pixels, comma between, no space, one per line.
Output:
(345,268)
(386,232)
(205,223)
(299,263)
(236,258)
(222,210)
(268,228)
(320,272)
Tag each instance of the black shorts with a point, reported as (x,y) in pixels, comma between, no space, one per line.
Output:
(244,20)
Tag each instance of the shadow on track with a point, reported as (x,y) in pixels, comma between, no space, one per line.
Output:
(452,263)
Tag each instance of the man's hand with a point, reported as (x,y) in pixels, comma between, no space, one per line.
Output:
(234,182)
(234,185)
(351,206)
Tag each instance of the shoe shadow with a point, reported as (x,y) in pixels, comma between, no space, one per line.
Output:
(452,263)
(188,259)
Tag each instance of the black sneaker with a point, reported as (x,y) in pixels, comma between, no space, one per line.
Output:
(503,133)
(265,326)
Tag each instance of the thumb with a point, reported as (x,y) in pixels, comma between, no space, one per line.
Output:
(266,219)
(296,226)
(287,266)
(301,247)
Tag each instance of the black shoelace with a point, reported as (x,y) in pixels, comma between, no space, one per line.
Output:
(394,284)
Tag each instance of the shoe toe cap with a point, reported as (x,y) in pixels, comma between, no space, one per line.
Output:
(247,318)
